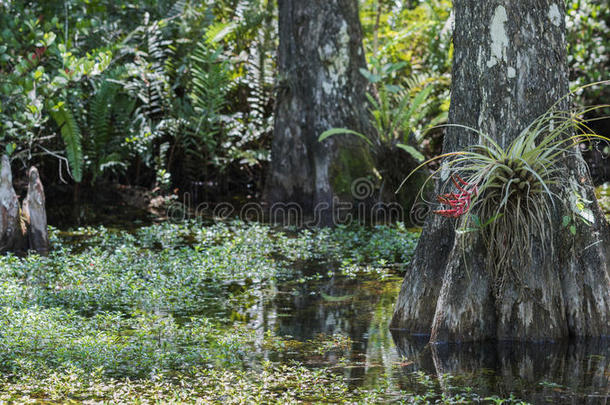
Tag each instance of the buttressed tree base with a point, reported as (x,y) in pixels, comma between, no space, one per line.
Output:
(510,68)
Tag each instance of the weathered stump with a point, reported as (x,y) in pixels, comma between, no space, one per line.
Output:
(12,236)
(35,214)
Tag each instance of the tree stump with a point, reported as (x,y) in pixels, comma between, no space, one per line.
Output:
(12,235)
(35,214)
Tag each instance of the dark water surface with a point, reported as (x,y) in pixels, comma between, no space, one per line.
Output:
(561,373)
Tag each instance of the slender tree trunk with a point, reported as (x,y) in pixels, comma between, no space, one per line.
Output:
(509,68)
(320,87)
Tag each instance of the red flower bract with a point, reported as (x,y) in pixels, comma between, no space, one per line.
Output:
(459,203)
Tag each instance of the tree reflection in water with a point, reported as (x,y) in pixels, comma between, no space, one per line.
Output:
(563,372)
(360,308)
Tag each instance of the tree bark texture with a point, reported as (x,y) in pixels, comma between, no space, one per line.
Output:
(35,214)
(509,68)
(320,87)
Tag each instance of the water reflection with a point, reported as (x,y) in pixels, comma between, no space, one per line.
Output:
(358,309)
(567,372)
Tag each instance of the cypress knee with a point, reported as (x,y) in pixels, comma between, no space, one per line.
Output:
(12,237)
(35,214)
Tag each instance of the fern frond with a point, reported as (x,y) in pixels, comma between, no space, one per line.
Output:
(101,114)
(71,135)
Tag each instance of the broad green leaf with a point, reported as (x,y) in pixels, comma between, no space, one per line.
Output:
(371,77)
(49,38)
(418,100)
(411,151)
(10,148)
(393,67)
(70,133)
(337,131)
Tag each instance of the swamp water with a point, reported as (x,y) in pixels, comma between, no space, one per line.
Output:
(567,372)
(309,310)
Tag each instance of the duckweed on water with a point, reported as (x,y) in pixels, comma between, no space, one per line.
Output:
(145,317)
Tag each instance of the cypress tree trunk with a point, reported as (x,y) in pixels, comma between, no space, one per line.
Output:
(509,68)
(320,87)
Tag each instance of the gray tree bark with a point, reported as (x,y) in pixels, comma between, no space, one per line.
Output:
(320,87)
(509,68)
(35,214)
(12,237)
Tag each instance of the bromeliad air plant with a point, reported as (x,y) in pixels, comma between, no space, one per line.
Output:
(459,203)
(513,190)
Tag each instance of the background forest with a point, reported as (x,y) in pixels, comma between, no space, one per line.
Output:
(178,96)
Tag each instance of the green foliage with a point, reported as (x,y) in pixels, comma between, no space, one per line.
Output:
(588,25)
(415,35)
(70,133)
(136,76)
(397,113)
(124,317)
(154,304)
(210,81)
(130,73)
(110,113)
(397,117)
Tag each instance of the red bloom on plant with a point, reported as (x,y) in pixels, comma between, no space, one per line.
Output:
(459,203)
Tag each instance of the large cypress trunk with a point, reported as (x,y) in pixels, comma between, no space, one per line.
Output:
(320,87)
(509,68)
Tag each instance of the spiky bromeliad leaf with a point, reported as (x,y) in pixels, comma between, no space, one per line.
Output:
(515,199)
(70,133)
